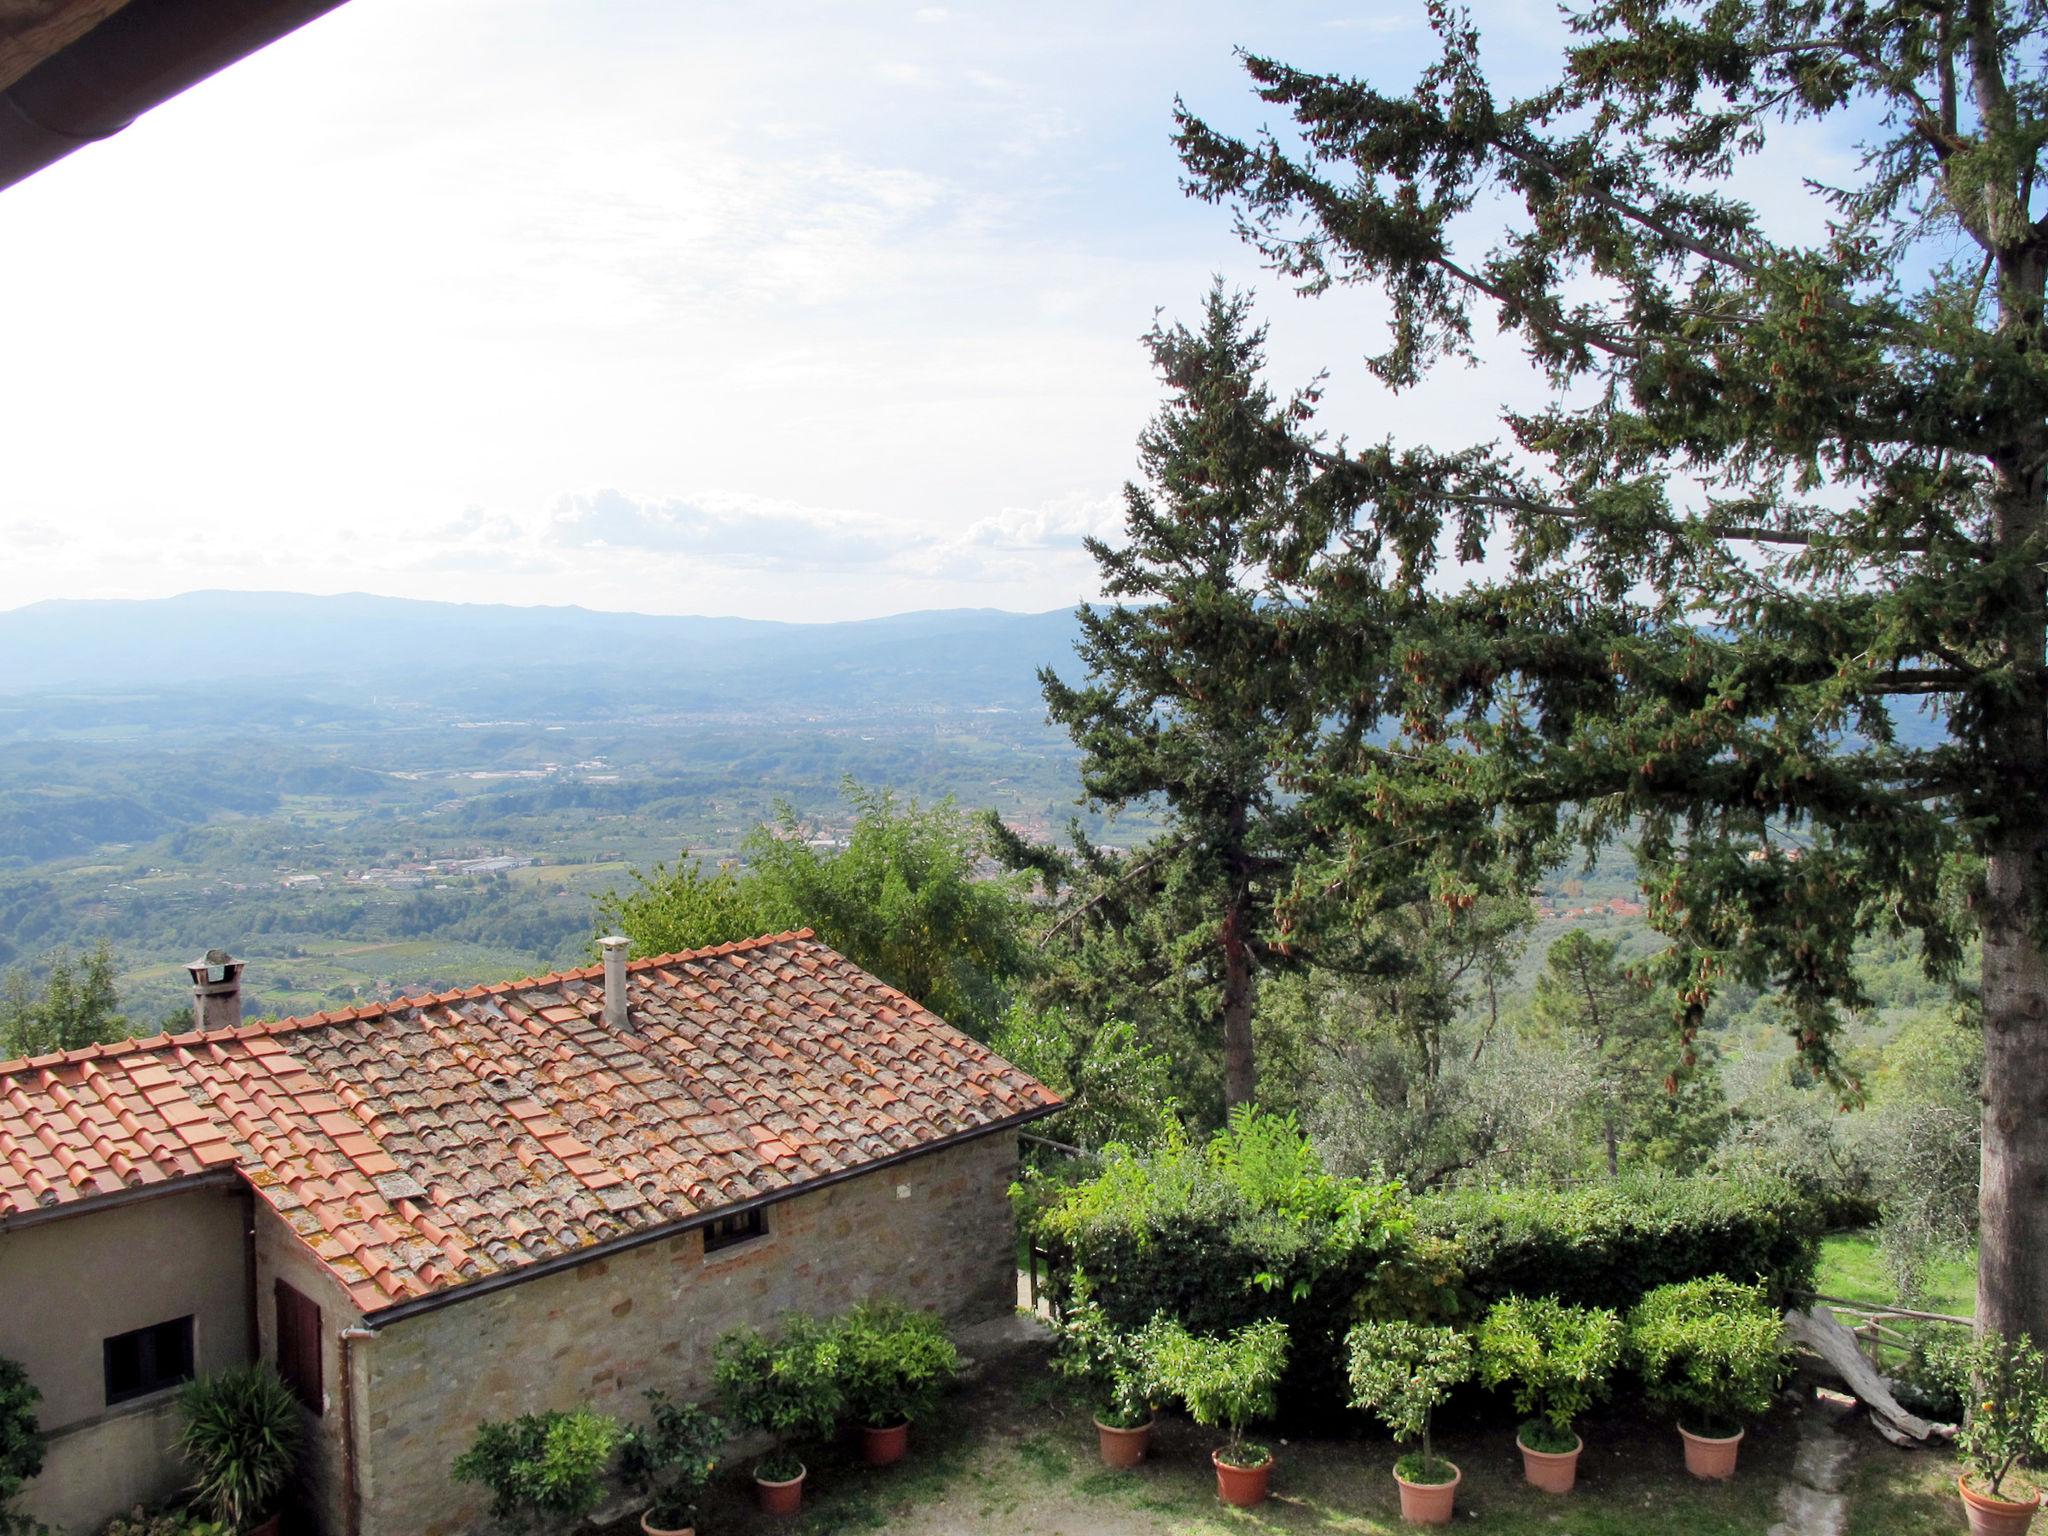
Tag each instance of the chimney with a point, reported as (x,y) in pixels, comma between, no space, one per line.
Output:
(216,990)
(614,947)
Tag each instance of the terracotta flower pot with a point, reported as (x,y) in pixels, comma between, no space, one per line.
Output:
(1552,1471)
(266,1527)
(1429,1503)
(1710,1458)
(880,1447)
(784,1498)
(1122,1448)
(1996,1517)
(1241,1486)
(648,1526)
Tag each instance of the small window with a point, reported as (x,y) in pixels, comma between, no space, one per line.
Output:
(148,1360)
(298,1345)
(728,1230)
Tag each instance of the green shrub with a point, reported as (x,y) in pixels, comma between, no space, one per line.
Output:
(241,1441)
(1610,1244)
(2007,1425)
(163,1520)
(669,1461)
(1934,1381)
(541,1468)
(1228,1381)
(1401,1373)
(1243,1228)
(893,1363)
(788,1386)
(21,1437)
(1114,1368)
(1710,1352)
(1557,1358)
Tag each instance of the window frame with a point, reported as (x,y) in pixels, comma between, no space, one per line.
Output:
(150,1377)
(734,1229)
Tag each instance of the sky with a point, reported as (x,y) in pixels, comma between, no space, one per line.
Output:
(783,310)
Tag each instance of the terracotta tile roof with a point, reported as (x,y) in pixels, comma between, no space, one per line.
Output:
(424,1143)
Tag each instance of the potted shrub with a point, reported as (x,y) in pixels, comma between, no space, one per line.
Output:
(2005,1430)
(1114,1370)
(669,1461)
(1710,1353)
(1227,1381)
(787,1387)
(893,1363)
(1558,1360)
(1400,1373)
(240,1438)
(541,1469)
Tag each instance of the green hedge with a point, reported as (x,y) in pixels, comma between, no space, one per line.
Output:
(1249,1226)
(1608,1244)
(1218,1235)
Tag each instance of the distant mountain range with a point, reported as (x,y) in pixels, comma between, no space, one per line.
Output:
(354,644)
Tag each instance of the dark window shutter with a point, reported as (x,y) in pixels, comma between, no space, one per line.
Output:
(298,1345)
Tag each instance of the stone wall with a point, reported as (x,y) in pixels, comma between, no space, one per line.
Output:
(321,1490)
(933,1232)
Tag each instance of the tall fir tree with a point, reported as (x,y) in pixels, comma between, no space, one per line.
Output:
(1190,687)
(1790,489)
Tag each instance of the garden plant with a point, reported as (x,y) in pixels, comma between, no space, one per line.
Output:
(1231,1380)
(893,1364)
(1114,1369)
(788,1386)
(669,1460)
(240,1438)
(1558,1360)
(2004,1437)
(21,1441)
(1710,1353)
(1401,1372)
(161,1520)
(543,1470)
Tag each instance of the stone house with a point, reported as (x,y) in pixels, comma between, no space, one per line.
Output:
(445,1209)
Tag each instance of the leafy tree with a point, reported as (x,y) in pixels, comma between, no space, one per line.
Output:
(2007,1426)
(680,906)
(1923,1143)
(1787,487)
(75,1005)
(1557,1358)
(1415,1071)
(21,1442)
(543,1470)
(1116,1088)
(1227,1381)
(1401,1373)
(1710,1353)
(903,898)
(1189,684)
(1587,993)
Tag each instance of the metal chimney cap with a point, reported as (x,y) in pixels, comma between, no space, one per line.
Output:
(213,966)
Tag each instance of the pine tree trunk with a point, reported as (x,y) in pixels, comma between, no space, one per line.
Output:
(2012,1278)
(2012,1284)
(2012,1200)
(1240,1066)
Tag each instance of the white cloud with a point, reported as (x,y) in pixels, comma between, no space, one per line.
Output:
(844,347)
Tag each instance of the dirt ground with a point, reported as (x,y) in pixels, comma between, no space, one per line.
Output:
(1010,1454)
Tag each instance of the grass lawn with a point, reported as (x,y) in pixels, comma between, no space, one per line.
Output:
(1850,1269)
(1011,1454)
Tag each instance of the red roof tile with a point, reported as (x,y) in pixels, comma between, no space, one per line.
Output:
(436,1140)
